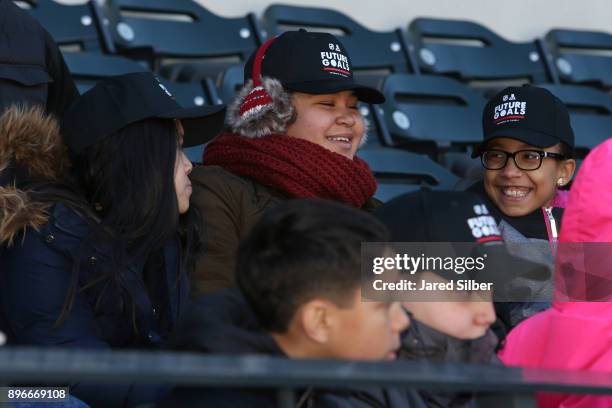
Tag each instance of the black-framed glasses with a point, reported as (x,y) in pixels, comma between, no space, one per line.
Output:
(524,159)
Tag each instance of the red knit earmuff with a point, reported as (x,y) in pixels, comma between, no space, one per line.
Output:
(258,101)
(263,106)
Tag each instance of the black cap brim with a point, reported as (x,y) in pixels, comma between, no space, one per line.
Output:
(363,93)
(201,123)
(531,137)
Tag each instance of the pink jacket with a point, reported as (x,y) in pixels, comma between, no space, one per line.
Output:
(576,335)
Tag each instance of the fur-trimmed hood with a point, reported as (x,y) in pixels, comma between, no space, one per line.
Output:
(31,149)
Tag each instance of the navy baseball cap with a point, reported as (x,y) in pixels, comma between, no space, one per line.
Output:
(313,63)
(530,114)
(125,99)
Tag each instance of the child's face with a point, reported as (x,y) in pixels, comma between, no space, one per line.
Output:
(367,330)
(463,316)
(331,120)
(518,192)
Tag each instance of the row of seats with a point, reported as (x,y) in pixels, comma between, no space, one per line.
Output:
(431,74)
(169,32)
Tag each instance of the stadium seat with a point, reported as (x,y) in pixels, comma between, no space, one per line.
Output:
(75,27)
(399,172)
(590,111)
(472,53)
(582,57)
(462,165)
(427,108)
(377,131)
(88,68)
(373,54)
(183,34)
(229,83)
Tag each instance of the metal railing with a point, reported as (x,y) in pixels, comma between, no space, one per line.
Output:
(515,387)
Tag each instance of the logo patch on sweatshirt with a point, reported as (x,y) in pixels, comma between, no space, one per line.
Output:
(483,226)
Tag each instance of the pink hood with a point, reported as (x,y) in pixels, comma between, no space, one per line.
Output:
(576,335)
(588,213)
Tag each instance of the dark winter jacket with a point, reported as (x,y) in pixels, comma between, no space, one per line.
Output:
(423,343)
(223,323)
(41,241)
(32,69)
(532,237)
(231,206)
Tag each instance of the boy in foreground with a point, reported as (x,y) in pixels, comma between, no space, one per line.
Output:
(299,280)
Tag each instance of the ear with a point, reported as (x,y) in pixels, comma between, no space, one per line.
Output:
(317,319)
(566,170)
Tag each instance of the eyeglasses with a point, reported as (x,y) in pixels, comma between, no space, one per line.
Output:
(524,159)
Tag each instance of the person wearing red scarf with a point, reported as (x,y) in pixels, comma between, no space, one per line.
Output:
(293,131)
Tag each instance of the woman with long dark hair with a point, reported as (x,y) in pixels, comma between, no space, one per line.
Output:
(95,229)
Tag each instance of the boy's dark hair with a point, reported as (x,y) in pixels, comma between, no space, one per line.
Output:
(300,250)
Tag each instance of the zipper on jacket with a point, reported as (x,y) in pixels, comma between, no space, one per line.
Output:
(552,223)
(551,228)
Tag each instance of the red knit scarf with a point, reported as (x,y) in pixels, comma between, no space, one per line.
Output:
(298,167)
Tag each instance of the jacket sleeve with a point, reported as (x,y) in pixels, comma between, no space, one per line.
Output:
(34,289)
(218,198)
(62,91)
(34,286)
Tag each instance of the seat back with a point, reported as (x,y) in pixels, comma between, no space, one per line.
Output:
(582,57)
(88,68)
(471,52)
(230,82)
(399,172)
(376,53)
(432,108)
(182,29)
(590,114)
(76,27)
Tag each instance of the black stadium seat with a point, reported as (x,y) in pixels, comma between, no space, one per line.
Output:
(183,33)
(88,68)
(373,54)
(77,26)
(399,172)
(471,52)
(432,108)
(582,57)
(229,82)
(590,111)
